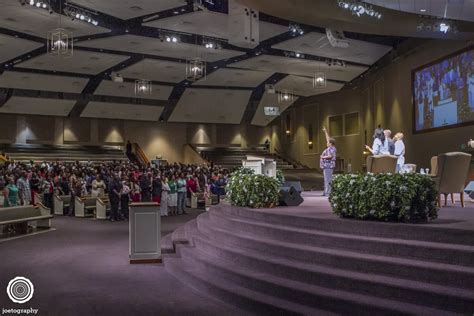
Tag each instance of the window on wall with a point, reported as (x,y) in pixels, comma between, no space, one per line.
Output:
(351,123)
(310,136)
(288,125)
(335,125)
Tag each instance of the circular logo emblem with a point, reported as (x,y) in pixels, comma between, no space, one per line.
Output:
(20,290)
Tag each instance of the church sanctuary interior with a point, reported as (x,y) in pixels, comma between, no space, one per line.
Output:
(236,157)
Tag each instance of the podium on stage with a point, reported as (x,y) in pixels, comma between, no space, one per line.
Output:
(145,233)
(261,165)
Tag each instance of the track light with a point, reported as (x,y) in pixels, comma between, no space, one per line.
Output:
(359,8)
(295,29)
(81,14)
(38,4)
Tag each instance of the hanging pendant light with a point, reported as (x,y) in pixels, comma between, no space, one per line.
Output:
(143,87)
(60,42)
(319,78)
(195,69)
(285,97)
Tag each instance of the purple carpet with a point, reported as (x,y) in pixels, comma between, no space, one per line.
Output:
(82,269)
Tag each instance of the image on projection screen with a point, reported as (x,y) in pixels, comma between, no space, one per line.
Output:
(444,92)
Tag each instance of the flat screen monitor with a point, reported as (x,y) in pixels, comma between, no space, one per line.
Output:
(443,92)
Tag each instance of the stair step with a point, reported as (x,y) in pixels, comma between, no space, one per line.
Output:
(425,271)
(368,284)
(331,224)
(305,294)
(239,296)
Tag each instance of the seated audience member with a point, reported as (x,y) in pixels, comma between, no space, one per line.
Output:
(399,151)
(378,145)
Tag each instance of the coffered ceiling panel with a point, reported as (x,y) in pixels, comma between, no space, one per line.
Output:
(127,9)
(211,24)
(232,77)
(300,67)
(303,86)
(82,62)
(122,111)
(24,80)
(211,106)
(39,22)
(38,106)
(11,47)
(155,46)
(127,89)
(156,70)
(318,44)
(268,99)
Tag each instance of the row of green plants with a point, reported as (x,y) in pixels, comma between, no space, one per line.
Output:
(384,197)
(247,189)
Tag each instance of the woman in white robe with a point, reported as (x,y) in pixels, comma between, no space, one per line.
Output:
(399,151)
(164,196)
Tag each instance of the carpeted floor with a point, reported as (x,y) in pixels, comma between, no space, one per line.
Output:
(82,268)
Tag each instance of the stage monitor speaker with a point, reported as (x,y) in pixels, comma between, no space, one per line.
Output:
(295,184)
(289,197)
(469,188)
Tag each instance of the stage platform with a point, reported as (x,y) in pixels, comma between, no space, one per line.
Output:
(304,260)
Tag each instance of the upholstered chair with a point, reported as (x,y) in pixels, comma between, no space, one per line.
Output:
(451,173)
(434,166)
(381,164)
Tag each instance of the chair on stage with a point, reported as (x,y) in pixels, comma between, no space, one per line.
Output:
(451,173)
(382,164)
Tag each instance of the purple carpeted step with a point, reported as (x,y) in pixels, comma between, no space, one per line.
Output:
(231,293)
(167,246)
(432,251)
(302,293)
(431,272)
(354,227)
(460,300)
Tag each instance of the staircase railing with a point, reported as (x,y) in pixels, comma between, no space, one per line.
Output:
(140,154)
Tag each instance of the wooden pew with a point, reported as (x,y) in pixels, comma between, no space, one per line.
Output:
(101,207)
(61,202)
(22,215)
(38,198)
(84,206)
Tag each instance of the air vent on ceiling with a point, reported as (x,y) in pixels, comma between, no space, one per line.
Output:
(25,78)
(94,58)
(136,8)
(76,83)
(122,86)
(38,63)
(134,43)
(239,74)
(11,20)
(187,23)
(170,67)
(264,61)
(86,68)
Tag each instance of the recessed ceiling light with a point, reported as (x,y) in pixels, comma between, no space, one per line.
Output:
(422,10)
